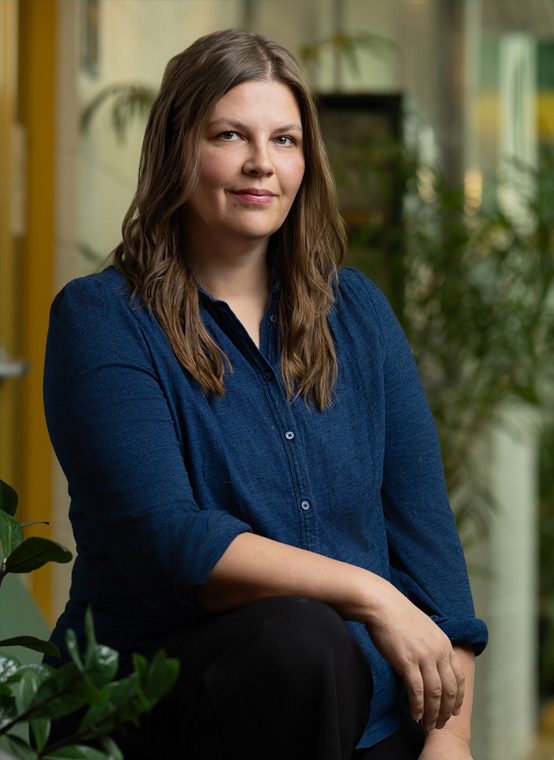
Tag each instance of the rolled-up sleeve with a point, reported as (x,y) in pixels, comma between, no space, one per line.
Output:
(426,557)
(116,440)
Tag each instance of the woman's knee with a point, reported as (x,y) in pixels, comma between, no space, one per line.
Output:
(299,632)
(299,640)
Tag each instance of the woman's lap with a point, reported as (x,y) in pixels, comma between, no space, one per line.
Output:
(281,677)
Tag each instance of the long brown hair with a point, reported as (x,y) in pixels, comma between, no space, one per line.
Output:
(304,252)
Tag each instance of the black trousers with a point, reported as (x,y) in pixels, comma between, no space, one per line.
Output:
(279,678)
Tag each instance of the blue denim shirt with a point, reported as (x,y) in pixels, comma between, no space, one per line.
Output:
(163,478)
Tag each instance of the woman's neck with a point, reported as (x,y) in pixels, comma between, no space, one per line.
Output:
(240,278)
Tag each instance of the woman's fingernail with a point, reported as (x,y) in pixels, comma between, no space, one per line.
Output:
(457,711)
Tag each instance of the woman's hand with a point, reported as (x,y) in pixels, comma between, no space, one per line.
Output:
(421,653)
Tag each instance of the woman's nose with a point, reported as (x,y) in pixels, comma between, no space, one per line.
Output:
(258,161)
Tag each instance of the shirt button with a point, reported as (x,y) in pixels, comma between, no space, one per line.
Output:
(268,375)
(289,435)
(273,318)
(305,505)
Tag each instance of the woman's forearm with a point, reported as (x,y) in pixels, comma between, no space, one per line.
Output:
(254,567)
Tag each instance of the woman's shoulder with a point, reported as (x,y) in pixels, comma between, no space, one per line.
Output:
(100,306)
(107,285)
(356,291)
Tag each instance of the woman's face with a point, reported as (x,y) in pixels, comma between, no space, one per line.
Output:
(251,164)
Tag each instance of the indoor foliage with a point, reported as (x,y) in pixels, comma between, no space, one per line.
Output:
(474,294)
(37,694)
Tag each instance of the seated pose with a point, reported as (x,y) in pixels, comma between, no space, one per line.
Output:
(255,476)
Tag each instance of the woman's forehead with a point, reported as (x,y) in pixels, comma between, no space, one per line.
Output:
(267,98)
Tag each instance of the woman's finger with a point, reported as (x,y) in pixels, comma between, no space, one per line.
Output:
(414,686)
(433,688)
(460,680)
(449,693)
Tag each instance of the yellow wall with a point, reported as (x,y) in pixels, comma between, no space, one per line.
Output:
(8,332)
(37,50)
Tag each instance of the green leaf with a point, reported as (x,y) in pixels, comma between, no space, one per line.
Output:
(140,665)
(34,522)
(41,671)
(21,749)
(35,552)
(31,642)
(73,649)
(40,728)
(63,691)
(162,675)
(10,533)
(103,665)
(101,662)
(76,752)
(8,710)
(111,749)
(8,666)
(118,698)
(91,636)
(27,688)
(8,498)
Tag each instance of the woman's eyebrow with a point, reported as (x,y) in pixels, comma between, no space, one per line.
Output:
(244,127)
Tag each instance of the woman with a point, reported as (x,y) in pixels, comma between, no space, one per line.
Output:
(255,476)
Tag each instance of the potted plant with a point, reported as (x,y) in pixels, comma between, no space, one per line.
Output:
(37,695)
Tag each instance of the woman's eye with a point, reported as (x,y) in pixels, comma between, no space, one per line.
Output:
(228,136)
(285,140)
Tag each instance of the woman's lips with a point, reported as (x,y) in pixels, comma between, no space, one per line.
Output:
(254,196)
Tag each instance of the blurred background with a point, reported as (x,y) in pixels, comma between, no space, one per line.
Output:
(439,120)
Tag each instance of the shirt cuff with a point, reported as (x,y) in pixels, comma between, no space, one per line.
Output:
(464,631)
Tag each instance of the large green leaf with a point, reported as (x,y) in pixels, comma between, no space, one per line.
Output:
(21,749)
(40,728)
(8,498)
(65,691)
(61,680)
(10,533)
(35,552)
(103,665)
(162,675)
(31,642)
(26,690)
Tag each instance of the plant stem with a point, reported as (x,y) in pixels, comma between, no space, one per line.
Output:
(80,734)
(3,570)
(73,738)
(25,715)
